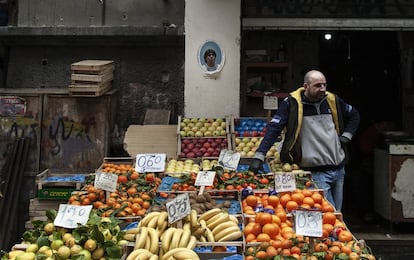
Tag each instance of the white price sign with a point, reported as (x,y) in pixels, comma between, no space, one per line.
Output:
(205,178)
(69,216)
(285,181)
(150,162)
(308,223)
(106,181)
(270,103)
(178,208)
(229,159)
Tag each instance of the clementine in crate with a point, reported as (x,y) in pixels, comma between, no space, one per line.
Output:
(284,198)
(345,236)
(252,228)
(297,196)
(273,201)
(327,207)
(264,218)
(291,205)
(271,229)
(271,251)
(263,237)
(251,200)
(308,201)
(261,254)
(329,218)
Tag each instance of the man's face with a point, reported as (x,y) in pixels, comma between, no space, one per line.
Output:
(316,87)
(211,59)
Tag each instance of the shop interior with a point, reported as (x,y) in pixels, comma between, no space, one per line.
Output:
(362,67)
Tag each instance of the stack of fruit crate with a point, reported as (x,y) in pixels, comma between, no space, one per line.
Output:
(91,78)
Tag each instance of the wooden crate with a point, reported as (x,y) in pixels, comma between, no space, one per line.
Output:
(91,78)
(38,208)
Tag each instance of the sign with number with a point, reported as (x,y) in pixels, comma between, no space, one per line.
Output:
(69,216)
(205,178)
(308,223)
(150,162)
(270,103)
(285,181)
(106,181)
(229,159)
(178,208)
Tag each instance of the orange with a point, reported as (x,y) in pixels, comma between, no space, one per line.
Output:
(309,201)
(271,229)
(276,220)
(321,247)
(271,251)
(328,227)
(346,249)
(329,218)
(291,205)
(263,218)
(345,236)
(287,244)
(249,257)
(262,237)
(317,197)
(250,237)
(273,200)
(284,198)
(335,250)
(295,250)
(251,201)
(276,243)
(134,176)
(252,228)
(307,193)
(297,197)
(282,216)
(327,207)
(261,254)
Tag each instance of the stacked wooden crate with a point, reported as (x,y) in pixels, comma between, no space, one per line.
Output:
(91,78)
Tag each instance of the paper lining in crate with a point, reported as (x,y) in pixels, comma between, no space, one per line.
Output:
(58,184)
(91,77)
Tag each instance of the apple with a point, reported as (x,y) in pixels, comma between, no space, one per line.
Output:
(186,120)
(190,155)
(199,124)
(207,133)
(183,133)
(207,154)
(186,141)
(250,153)
(190,146)
(215,154)
(216,133)
(194,129)
(246,149)
(219,120)
(214,144)
(211,128)
(206,145)
(190,134)
(199,134)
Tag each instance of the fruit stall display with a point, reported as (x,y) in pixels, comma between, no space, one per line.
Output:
(240,216)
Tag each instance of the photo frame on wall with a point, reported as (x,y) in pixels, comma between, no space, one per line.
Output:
(211,57)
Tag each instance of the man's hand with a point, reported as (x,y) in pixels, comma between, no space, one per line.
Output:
(344,140)
(256,166)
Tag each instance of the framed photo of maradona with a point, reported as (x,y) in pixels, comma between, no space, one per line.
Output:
(211,57)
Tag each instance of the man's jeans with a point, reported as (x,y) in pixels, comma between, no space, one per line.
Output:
(332,183)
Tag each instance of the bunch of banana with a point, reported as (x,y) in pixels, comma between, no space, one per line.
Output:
(156,219)
(142,254)
(219,226)
(147,238)
(177,238)
(180,253)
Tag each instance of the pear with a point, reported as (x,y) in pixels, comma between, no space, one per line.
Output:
(287,167)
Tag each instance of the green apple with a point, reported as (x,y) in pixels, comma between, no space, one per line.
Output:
(56,244)
(86,254)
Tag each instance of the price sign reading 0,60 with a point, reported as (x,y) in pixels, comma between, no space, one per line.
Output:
(69,216)
(308,223)
(150,162)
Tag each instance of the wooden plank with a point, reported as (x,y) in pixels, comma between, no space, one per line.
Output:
(88,78)
(89,90)
(104,70)
(92,65)
(157,117)
(141,139)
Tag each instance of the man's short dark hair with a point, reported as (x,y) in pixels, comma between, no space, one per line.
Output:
(209,51)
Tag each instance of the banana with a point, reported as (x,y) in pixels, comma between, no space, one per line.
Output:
(225,232)
(147,218)
(144,256)
(209,235)
(130,237)
(234,219)
(154,237)
(214,218)
(193,219)
(202,239)
(192,243)
(231,236)
(166,238)
(208,214)
(148,243)
(176,238)
(223,226)
(132,230)
(136,252)
(162,218)
(187,225)
(153,222)
(180,253)
(162,228)
(185,238)
(201,230)
(224,218)
(153,257)
(142,236)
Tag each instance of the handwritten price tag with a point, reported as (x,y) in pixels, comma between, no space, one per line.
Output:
(106,181)
(178,208)
(308,223)
(150,162)
(205,178)
(285,181)
(69,216)
(229,159)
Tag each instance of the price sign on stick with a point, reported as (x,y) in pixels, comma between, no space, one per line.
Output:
(229,159)
(308,223)
(205,178)
(285,181)
(270,103)
(178,208)
(69,216)
(106,181)
(150,162)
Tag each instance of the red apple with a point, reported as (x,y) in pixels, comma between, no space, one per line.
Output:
(190,155)
(206,145)
(190,146)
(215,153)
(207,154)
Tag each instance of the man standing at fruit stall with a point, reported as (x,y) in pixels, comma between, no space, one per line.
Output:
(318,125)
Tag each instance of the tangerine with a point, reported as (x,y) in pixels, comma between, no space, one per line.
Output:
(271,229)
(284,198)
(329,218)
(291,205)
(263,237)
(263,218)
(345,236)
(273,200)
(251,201)
(297,197)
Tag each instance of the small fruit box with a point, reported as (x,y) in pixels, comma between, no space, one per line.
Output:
(55,184)
(117,161)
(202,137)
